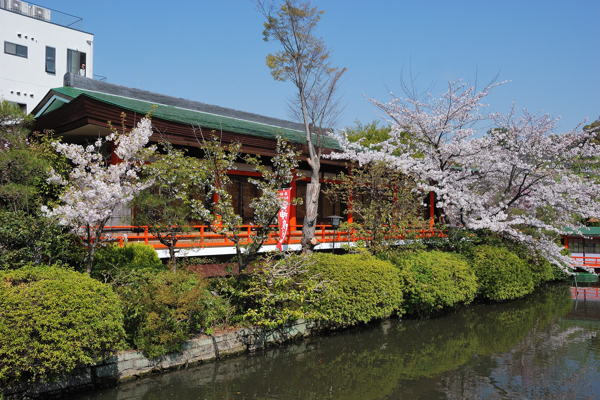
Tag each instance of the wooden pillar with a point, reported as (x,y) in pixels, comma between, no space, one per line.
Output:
(114,159)
(567,242)
(293,206)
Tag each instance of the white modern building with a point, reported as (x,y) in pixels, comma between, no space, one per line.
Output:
(39,46)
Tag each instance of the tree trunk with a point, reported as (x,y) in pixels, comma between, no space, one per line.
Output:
(172,258)
(310,218)
(91,251)
(91,248)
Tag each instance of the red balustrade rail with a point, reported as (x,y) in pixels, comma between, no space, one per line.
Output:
(201,236)
(588,261)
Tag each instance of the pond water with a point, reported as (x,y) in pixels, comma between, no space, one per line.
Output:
(543,346)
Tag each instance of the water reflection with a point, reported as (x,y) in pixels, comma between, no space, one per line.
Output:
(536,347)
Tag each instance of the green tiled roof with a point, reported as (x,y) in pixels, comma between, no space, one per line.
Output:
(197,118)
(589,231)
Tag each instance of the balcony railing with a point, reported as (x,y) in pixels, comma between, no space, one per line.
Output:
(201,236)
(593,262)
(42,13)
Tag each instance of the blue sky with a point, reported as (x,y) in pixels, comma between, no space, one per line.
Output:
(213,52)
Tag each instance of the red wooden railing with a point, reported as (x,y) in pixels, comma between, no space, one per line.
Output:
(593,262)
(201,236)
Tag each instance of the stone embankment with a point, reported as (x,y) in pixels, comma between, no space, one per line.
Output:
(131,364)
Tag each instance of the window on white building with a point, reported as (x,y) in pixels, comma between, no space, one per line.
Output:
(76,62)
(15,49)
(50,60)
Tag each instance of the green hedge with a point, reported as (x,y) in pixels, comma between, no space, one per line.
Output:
(501,273)
(434,280)
(362,288)
(53,320)
(163,309)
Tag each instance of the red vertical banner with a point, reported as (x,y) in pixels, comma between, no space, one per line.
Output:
(284,216)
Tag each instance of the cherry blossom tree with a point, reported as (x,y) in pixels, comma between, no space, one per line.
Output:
(95,189)
(506,173)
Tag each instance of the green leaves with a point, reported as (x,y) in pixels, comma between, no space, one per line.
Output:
(52,320)
(362,288)
(277,291)
(34,239)
(433,281)
(25,159)
(501,273)
(163,309)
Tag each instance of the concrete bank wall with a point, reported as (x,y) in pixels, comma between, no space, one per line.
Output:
(130,364)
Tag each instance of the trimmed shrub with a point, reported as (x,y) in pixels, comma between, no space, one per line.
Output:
(163,309)
(53,320)
(362,288)
(112,259)
(501,273)
(434,280)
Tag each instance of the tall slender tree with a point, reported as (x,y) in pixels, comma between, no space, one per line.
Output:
(305,61)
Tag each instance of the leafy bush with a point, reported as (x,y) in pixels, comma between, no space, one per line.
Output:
(501,273)
(31,239)
(163,309)
(276,291)
(111,259)
(53,319)
(542,270)
(362,288)
(432,281)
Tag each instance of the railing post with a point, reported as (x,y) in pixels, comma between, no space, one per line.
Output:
(146,234)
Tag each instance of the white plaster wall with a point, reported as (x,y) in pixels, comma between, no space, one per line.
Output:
(25,80)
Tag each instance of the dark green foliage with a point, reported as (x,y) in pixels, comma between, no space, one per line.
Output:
(28,238)
(53,320)
(432,281)
(362,288)
(163,309)
(25,159)
(276,291)
(113,259)
(501,273)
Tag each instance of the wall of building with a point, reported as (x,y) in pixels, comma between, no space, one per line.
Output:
(24,80)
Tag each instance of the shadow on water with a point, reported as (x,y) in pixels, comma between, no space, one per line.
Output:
(534,347)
